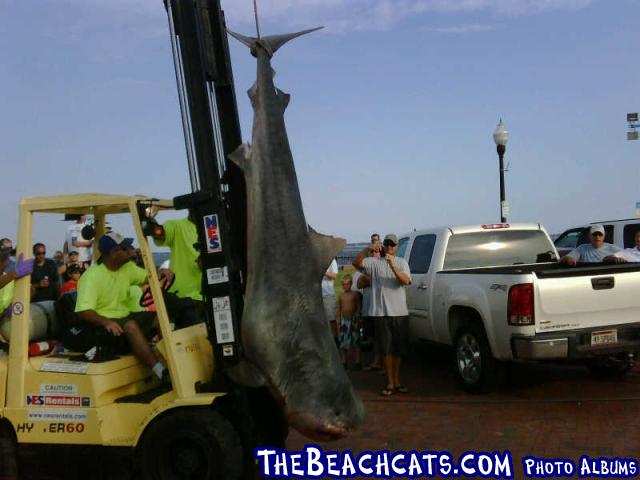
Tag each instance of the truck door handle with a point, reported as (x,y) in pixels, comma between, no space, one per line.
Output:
(602,283)
(422,286)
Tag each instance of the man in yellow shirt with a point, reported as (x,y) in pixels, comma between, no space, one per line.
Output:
(180,236)
(103,298)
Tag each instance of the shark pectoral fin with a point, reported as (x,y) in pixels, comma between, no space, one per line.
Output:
(325,249)
(284,99)
(241,155)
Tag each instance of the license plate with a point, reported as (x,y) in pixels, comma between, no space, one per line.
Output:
(604,337)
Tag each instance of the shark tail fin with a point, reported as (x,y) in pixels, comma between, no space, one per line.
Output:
(325,249)
(272,43)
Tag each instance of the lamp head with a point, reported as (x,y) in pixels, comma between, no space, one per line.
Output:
(501,134)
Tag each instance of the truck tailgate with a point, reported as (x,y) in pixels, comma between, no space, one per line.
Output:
(590,300)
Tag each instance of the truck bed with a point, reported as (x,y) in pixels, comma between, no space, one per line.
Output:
(552,269)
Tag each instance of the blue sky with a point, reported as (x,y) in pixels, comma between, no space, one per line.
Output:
(393,107)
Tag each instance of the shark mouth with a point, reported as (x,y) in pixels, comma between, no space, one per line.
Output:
(317,428)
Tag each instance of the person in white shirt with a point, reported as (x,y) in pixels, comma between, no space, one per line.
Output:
(628,254)
(75,242)
(329,296)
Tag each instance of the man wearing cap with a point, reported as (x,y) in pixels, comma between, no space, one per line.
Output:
(103,295)
(389,275)
(593,252)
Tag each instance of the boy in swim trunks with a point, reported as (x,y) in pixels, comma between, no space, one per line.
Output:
(348,314)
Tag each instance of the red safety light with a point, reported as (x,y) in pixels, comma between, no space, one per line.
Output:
(520,308)
(491,226)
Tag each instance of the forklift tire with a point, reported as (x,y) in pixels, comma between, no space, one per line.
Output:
(196,443)
(8,454)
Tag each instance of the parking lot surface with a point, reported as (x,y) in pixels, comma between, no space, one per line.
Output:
(545,411)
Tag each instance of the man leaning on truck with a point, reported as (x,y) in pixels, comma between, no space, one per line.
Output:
(389,275)
(594,252)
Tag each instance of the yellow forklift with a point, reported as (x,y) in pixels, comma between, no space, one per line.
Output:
(201,426)
(64,398)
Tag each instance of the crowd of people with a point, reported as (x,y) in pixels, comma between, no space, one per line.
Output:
(110,294)
(372,305)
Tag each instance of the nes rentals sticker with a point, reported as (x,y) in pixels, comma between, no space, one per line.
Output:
(222,320)
(51,415)
(60,365)
(217,275)
(58,389)
(58,401)
(212,230)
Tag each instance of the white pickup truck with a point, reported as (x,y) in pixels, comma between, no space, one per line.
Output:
(497,293)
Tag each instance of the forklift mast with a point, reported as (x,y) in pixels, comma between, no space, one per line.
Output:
(212,131)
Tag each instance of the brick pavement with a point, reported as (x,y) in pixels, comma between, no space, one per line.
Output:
(547,411)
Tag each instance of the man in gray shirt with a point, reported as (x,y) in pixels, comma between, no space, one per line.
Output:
(389,275)
(593,252)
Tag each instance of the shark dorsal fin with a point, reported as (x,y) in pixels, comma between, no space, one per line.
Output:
(325,248)
(271,43)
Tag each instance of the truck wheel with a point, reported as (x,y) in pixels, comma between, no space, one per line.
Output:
(610,367)
(191,444)
(476,367)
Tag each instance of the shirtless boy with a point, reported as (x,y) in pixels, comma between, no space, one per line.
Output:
(348,314)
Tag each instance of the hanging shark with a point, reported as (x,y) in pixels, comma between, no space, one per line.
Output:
(285,334)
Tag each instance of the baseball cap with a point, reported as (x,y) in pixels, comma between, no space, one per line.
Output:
(73,252)
(391,237)
(597,229)
(112,240)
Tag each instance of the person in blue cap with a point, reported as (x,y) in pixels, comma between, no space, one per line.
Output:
(103,294)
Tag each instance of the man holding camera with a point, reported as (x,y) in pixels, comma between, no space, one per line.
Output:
(389,275)
(75,242)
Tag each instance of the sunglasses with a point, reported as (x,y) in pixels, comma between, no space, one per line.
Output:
(389,243)
(41,253)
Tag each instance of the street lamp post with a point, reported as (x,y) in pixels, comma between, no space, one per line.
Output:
(501,137)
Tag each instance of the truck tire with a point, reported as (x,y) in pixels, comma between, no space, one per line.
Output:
(196,443)
(477,369)
(610,367)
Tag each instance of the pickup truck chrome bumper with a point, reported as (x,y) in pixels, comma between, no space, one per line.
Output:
(532,349)
(575,344)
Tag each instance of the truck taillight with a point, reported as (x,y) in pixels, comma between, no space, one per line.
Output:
(520,309)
